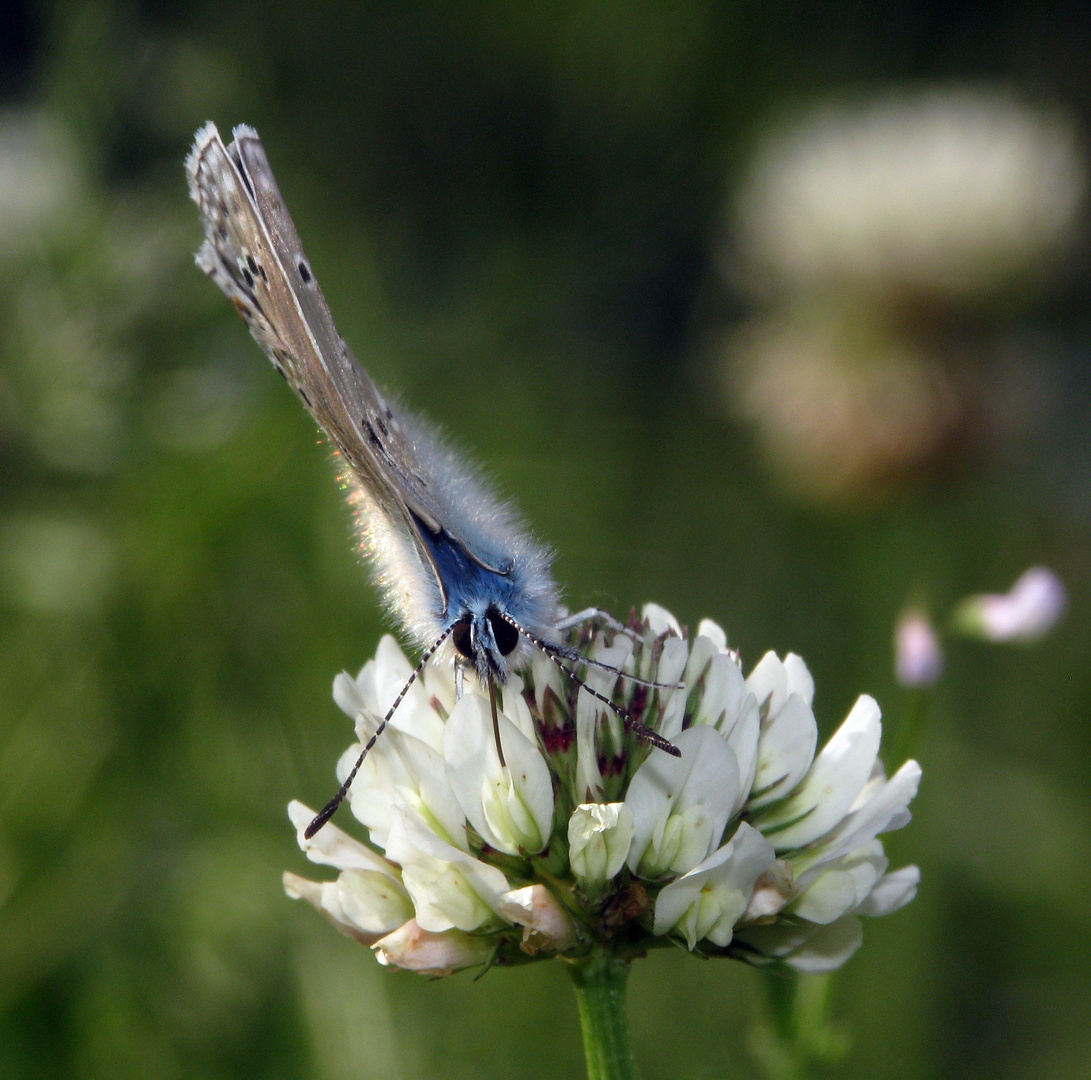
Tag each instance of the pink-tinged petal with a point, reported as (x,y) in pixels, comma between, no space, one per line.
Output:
(429,953)
(547,926)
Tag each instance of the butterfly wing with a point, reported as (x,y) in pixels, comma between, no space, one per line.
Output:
(253,253)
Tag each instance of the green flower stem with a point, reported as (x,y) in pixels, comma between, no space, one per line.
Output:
(599,979)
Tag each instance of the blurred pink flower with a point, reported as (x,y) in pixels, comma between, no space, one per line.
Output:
(1028,611)
(918,658)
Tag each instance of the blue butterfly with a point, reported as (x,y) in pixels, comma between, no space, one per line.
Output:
(454,564)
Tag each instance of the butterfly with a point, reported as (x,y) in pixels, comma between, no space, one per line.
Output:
(455,565)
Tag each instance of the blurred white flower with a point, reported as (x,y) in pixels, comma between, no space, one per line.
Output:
(746,845)
(881,236)
(918,658)
(1028,611)
(842,405)
(954,191)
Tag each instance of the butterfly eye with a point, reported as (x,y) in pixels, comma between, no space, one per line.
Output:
(504,634)
(460,635)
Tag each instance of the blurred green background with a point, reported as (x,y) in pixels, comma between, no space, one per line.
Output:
(521,215)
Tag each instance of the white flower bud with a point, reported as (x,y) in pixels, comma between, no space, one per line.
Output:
(599,835)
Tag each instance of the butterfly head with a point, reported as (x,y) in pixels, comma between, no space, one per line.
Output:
(486,638)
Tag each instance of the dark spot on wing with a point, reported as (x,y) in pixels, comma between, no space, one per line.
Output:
(372,437)
(382,427)
(248,278)
(304,272)
(252,264)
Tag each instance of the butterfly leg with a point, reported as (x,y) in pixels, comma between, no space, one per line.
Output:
(595,614)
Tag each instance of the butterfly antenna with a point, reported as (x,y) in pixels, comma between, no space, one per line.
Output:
(640,730)
(575,657)
(330,808)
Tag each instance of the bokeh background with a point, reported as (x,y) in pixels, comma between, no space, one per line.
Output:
(776,314)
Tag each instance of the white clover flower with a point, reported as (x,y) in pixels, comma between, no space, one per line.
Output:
(956,191)
(747,845)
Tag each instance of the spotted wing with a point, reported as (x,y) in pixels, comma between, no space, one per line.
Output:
(253,253)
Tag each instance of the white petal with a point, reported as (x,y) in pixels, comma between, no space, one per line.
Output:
(514,706)
(449,888)
(591,715)
(809,949)
(660,621)
(768,682)
(786,745)
(511,807)
(323,897)
(680,806)
(894,891)
(672,703)
(402,770)
(347,695)
(706,628)
(800,680)
(376,903)
(832,783)
(886,809)
(828,947)
(841,887)
(709,900)
(332,847)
